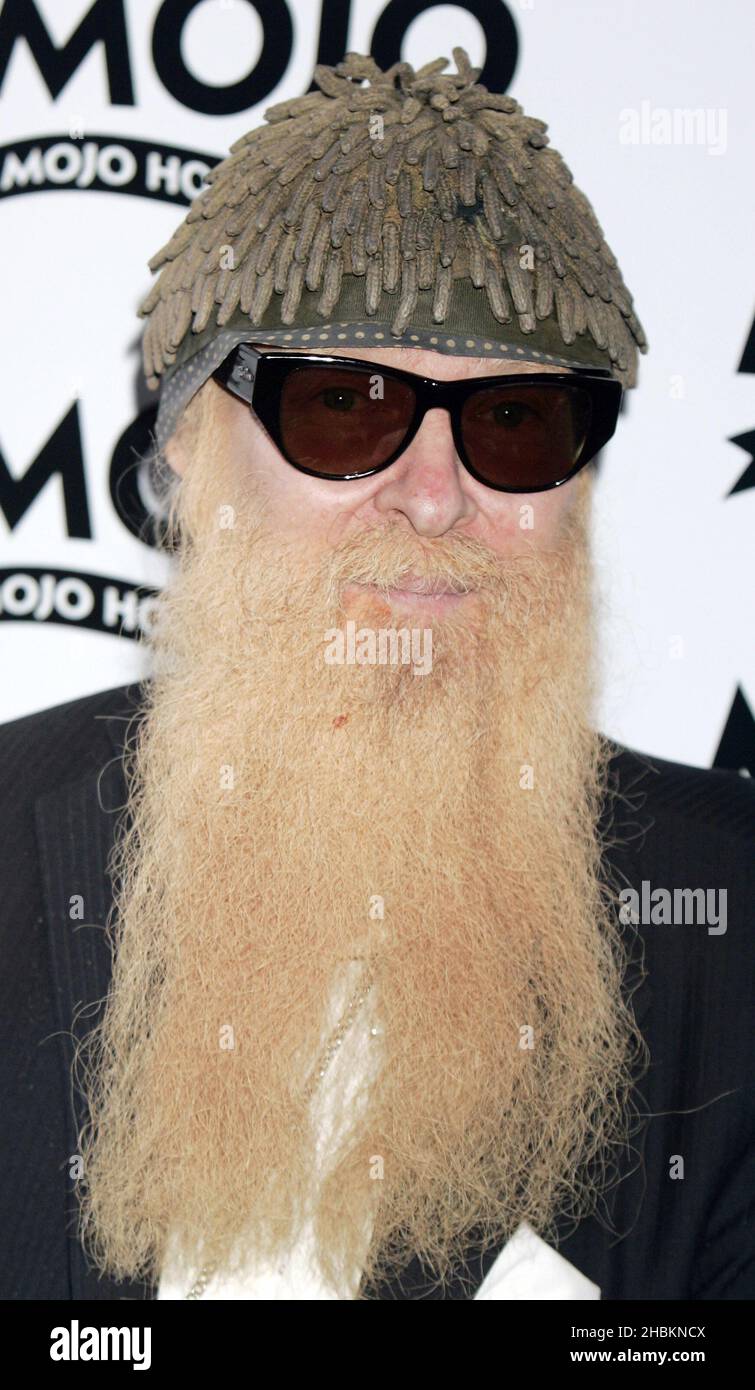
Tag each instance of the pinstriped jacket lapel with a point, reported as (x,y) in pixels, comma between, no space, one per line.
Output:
(75,827)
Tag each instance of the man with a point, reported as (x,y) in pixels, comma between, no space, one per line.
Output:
(385,1017)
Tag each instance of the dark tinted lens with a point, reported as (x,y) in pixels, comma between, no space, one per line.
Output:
(341,420)
(525,436)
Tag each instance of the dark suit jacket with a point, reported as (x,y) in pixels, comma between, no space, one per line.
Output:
(61,789)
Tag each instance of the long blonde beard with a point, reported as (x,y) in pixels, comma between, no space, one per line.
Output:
(278,805)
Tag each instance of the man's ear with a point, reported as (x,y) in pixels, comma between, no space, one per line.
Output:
(175,455)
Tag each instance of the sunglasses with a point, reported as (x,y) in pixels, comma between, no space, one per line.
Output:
(341,418)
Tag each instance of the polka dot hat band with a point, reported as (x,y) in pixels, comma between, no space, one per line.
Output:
(395,209)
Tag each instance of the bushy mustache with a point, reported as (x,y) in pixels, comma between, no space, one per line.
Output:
(388,558)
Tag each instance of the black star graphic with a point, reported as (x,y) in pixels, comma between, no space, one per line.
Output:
(737,747)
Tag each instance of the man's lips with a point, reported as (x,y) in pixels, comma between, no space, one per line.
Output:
(416,592)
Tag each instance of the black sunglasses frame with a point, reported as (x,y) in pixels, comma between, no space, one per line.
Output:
(257,377)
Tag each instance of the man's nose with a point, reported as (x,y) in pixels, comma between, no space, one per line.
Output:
(425,482)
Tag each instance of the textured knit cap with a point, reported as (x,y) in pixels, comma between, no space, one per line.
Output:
(394,209)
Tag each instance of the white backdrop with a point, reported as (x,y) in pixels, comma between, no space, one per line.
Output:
(673,194)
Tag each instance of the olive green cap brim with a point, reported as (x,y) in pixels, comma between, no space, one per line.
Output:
(469,330)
